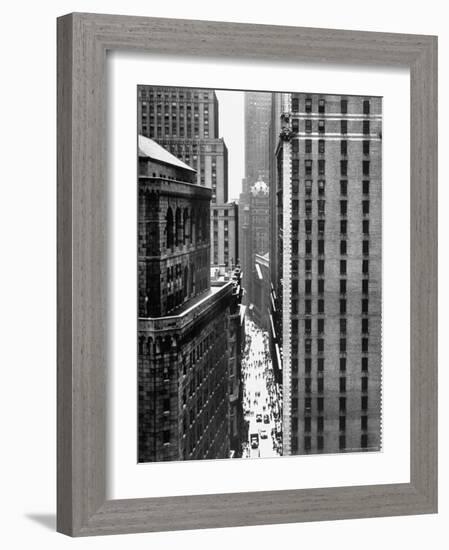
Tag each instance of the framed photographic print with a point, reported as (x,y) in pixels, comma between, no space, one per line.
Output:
(246,274)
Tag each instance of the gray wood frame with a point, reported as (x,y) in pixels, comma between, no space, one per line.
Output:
(83,40)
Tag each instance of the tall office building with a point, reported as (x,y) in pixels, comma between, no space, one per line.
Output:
(185,323)
(225,235)
(329,222)
(257,112)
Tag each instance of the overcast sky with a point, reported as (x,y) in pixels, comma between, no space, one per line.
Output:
(230,108)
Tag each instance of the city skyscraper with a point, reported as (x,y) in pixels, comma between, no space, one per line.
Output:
(328,202)
(257,111)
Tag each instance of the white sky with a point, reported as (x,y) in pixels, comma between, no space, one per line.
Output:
(231,126)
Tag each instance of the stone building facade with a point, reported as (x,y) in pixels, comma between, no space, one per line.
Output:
(328,201)
(184,322)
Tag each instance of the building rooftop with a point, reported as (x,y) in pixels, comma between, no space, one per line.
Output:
(151,149)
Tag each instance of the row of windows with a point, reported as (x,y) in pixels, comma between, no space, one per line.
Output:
(174,94)
(321,126)
(320,364)
(322,105)
(322,147)
(320,387)
(342,343)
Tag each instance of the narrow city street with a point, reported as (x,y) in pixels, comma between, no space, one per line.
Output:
(262,402)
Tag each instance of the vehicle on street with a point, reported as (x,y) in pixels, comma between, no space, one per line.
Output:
(258,417)
(263,434)
(254,438)
(266,419)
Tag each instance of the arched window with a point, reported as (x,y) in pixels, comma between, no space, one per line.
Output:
(204,224)
(178,227)
(185,289)
(199,236)
(186,226)
(169,228)
(192,227)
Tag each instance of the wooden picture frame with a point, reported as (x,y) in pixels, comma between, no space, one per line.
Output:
(83,40)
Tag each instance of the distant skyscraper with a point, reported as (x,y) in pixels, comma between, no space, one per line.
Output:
(328,201)
(257,136)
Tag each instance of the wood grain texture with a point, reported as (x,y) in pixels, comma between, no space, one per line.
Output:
(83,40)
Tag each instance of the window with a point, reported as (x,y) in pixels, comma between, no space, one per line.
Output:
(344,207)
(364,383)
(321,126)
(308,345)
(342,364)
(365,326)
(308,266)
(321,207)
(343,227)
(344,167)
(364,402)
(295,104)
(320,423)
(342,345)
(365,207)
(320,306)
(365,286)
(321,187)
(343,147)
(321,146)
(344,126)
(365,224)
(342,423)
(365,166)
(321,226)
(166,436)
(308,385)
(320,345)
(342,384)
(308,166)
(365,185)
(342,442)
(342,404)
(308,146)
(166,405)
(320,286)
(365,247)
(308,404)
(321,246)
(295,146)
(308,186)
(365,147)
(342,267)
(342,308)
(344,187)
(295,167)
(307,423)
(366,127)
(320,403)
(320,267)
(364,364)
(320,385)
(308,326)
(342,286)
(364,345)
(307,365)
(320,325)
(320,364)
(295,125)
(343,325)
(308,246)
(308,206)
(308,226)
(308,306)
(344,106)
(308,105)
(343,248)
(308,286)
(321,167)
(364,422)
(365,305)
(321,105)
(308,126)
(366,107)
(307,443)
(365,266)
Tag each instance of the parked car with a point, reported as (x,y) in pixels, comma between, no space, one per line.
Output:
(258,417)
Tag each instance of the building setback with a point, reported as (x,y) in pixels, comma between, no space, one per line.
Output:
(328,202)
(184,322)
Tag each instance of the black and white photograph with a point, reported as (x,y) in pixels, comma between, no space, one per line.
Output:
(259,253)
